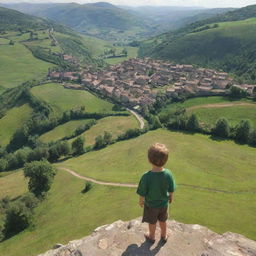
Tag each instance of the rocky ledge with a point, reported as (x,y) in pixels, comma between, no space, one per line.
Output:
(127,239)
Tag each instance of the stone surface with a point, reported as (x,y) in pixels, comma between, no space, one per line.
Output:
(127,239)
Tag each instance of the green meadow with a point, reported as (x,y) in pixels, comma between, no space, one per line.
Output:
(62,99)
(234,113)
(132,53)
(18,65)
(12,184)
(62,130)
(13,120)
(195,160)
(116,125)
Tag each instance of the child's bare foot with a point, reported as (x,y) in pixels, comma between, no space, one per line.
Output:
(149,238)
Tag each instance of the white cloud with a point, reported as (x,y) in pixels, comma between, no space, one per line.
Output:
(204,3)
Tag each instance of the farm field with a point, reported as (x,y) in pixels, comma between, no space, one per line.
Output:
(62,130)
(19,59)
(116,125)
(12,184)
(132,53)
(67,214)
(195,160)
(13,120)
(234,114)
(209,109)
(62,99)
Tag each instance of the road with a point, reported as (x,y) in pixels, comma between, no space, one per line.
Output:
(138,117)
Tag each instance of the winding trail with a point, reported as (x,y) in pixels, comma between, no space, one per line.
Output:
(221,105)
(130,185)
(138,117)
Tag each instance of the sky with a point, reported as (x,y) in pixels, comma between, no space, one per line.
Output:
(203,3)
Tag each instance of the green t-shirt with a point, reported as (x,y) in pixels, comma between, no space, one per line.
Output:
(156,188)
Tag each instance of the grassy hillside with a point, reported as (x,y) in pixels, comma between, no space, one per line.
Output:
(199,165)
(19,65)
(62,130)
(68,214)
(62,99)
(229,46)
(210,109)
(10,19)
(233,114)
(12,184)
(13,120)
(102,20)
(116,125)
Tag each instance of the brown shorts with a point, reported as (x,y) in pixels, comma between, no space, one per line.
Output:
(152,215)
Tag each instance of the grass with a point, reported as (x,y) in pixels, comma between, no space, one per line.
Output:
(13,120)
(18,65)
(233,114)
(209,115)
(62,130)
(116,125)
(62,99)
(67,214)
(132,53)
(194,159)
(12,184)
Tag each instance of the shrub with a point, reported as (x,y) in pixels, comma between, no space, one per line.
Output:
(3,165)
(252,138)
(242,131)
(193,123)
(78,146)
(18,217)
(41,175)
(222,128)
(88,186)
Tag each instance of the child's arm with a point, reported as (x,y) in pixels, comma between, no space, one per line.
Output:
(171,197)
(141,201)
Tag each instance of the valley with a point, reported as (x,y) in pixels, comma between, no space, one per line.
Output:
(87,88)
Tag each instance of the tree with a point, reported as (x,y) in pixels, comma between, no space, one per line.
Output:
(18,217)
(125,52)
(3,165)
(193,123)
(11,42)
(252,138)
(78,146)
(242,131)
(99,142)
(41,175)
(222,128)
(237,92)
(107,138)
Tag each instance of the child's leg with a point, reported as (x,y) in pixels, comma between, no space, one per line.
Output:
(163,228)
(152,230)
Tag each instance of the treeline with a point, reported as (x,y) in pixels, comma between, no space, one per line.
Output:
(39,124)
(45,54)
(243,132)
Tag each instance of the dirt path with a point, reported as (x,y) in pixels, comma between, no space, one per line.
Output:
(221,105)
(138,117)
(129,185)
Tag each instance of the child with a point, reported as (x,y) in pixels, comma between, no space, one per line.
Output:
(156,189)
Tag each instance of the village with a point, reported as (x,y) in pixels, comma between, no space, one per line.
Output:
(137,82)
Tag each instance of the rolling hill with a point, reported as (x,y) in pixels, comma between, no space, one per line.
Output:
(226,42)
(200,166)
(101,19)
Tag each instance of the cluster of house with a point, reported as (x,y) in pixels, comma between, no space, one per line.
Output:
(137,82)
